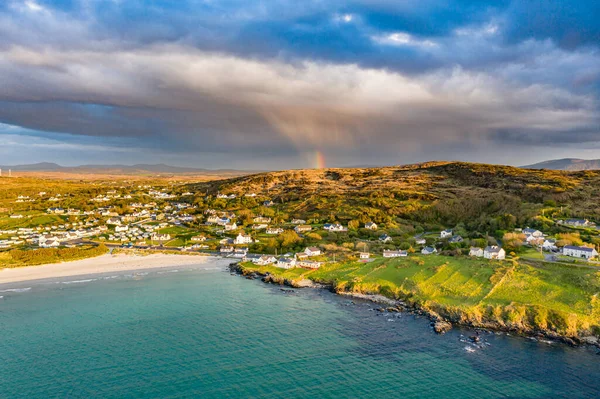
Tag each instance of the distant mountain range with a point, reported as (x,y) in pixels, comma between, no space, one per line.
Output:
(572,164)
(120,169)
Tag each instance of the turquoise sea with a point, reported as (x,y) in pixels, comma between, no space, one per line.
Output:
(197,333)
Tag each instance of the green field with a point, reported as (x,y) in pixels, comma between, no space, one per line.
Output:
(526,297)
(6,223)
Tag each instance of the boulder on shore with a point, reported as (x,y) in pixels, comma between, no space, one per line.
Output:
(442,327)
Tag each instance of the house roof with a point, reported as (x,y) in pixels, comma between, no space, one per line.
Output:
(584,249)
(493,248)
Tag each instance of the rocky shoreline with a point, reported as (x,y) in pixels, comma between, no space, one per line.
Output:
(439,324)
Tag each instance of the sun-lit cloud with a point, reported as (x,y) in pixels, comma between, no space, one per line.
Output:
(356,80)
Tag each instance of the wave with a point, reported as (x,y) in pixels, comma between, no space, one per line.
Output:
(79,281)
(16,289)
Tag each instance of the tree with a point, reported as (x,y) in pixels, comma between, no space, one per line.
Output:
(513,241)
(353,224)
(288,238)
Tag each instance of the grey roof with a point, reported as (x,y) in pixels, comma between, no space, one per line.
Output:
(585,249)
(493,248)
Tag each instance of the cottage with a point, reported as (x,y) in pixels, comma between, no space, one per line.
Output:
(393,253)
(533,232)
(240,252)
(579,252)
(428,250)
(261,219)
(298,221)
(577,222)
(370,226)
(226,249)
(286,263)
(231,226)
(476,251)
(260,226)
(302,228)
(549,245)
(114,221)
(265,260)
(160,237)
(455,239)
(119,229)
(268,203)
(242,239)
(312,251)
(309,264)
(385,238)
(420,241)
(199,238)
(334,227)
(494,252)
(446,233)
(274,230)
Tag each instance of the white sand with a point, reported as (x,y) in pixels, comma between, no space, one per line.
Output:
(105,264)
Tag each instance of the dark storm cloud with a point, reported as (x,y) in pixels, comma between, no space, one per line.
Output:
(287,77)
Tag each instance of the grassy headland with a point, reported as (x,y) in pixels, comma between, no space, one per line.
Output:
(539,297)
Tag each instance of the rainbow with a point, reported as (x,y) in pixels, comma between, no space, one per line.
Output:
(319,160)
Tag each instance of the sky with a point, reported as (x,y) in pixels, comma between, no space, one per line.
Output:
(298,84)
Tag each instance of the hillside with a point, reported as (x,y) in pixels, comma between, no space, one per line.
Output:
(482,197)
(567,164)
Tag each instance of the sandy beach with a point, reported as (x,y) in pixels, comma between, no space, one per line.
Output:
(104,264)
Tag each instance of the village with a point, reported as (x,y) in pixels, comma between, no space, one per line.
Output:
(155,218)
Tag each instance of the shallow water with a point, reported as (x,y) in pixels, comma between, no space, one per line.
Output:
(205,333)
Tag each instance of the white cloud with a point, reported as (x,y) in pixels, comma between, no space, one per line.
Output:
(402,39)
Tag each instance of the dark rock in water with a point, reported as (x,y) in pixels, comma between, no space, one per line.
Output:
(442,327)
(474,338)
(381,309)
(569,341)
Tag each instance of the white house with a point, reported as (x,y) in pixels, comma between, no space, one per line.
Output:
(579,252)
(549,245)
(312,251)
(494,252)
(533,232)
(302,228)
(364,255)
(428,250)
(371,226)
(114,221)
(242,239)
(274,230)
(199,238)
(261,219)
(577,222)
(231,226)
(48,241)
(298,221)
(265,260)
(420,241)
(309,264)
(226,249)
(476,251)
(385,238)
(119,229)
(446,233)
(394,253)
(286,263)
(334,227)
(160,237)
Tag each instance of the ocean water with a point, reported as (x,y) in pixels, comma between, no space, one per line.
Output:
(202,333)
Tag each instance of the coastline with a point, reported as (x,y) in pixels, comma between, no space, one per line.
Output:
(107,263)
(439,323)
